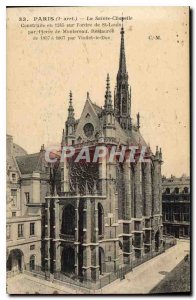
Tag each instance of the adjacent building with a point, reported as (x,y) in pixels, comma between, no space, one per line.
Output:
(176,206)
(26,190)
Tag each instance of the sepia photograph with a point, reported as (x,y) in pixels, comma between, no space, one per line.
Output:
(98,195)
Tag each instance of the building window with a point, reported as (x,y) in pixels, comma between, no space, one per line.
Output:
(13,177)
(176,213)
(20,230)
(13,214)
(186,213)
(27,197)
(176,190)
(186,190)
(14,196)
(8,232)
(32,247)
(32,262)
(168,213)
(32,228)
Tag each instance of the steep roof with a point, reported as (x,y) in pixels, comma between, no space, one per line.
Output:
(137,138)
(29,163)
(97,108)
(18,150)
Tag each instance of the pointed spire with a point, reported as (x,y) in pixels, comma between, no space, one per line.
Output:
(160,154)
(70,109)
(122,61)
(108,96)
(138,120)
(122,98)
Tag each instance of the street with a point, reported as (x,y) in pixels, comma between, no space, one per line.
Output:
(140,281)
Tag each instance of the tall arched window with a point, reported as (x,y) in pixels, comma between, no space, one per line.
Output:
(186,190)
(176,190)
(100,219)
(68,220)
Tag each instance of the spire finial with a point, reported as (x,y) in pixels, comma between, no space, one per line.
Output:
(70,97)
(122,27)
(160,154)
(122,63)
(87,95)
(108,81)
(157,151)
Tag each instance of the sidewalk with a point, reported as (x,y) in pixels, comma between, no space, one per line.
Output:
(148,275)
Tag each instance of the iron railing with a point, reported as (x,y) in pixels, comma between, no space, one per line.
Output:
(79,281)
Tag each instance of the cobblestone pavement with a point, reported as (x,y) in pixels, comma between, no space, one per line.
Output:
(140,281)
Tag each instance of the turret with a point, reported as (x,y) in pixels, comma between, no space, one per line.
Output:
(108,112)
(70,124)
(108,98)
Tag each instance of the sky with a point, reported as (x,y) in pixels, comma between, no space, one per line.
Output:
(40,74)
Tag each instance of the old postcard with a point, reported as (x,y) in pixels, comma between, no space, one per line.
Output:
(98,150)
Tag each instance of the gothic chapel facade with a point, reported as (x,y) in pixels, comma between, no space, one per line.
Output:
(102,215)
